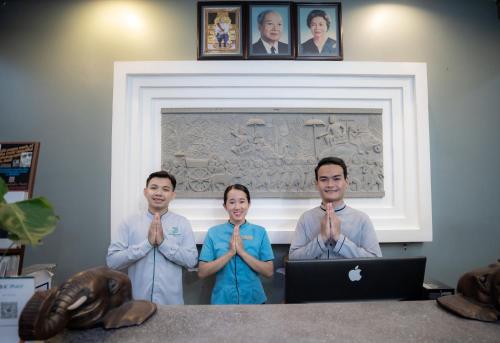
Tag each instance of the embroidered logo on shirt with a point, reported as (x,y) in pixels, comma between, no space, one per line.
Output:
(247,237)
(173,231)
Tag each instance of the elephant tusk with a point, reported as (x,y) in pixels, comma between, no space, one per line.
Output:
(77,303)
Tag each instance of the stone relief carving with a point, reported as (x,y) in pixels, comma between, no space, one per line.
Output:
(274,154)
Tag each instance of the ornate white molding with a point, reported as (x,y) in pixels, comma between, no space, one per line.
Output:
(142,89)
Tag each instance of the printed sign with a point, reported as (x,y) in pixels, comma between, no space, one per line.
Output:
(14,294)
(18,163)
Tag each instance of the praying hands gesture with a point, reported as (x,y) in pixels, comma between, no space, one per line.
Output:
(330,225)
(236,244)
(236,241)
(155,233)
(232,244)
(262,267)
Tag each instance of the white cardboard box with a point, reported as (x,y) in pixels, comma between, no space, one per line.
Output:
(42,273)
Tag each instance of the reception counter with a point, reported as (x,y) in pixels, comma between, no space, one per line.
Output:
(381,321)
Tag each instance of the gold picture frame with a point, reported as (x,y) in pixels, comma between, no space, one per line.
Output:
(220,30)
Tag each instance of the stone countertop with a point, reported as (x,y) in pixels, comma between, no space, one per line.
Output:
(379,321)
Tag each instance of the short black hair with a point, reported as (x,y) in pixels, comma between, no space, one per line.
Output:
(331,160)
(318,13)
(238,187)
(164,175)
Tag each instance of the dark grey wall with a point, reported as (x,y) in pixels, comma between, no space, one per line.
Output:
(56,72)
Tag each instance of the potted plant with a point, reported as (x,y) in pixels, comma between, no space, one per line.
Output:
(26,222)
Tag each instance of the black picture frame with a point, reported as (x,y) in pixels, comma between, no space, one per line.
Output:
(319,14)
(279,36)
(221,30)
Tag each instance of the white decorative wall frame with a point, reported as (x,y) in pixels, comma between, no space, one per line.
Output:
(142,89)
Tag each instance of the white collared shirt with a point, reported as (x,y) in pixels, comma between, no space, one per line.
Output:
(269,46)
(155,272)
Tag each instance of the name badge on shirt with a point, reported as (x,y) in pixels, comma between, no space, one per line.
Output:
(247,237)
(173,231)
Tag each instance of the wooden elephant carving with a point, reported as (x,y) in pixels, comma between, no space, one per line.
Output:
(94,297)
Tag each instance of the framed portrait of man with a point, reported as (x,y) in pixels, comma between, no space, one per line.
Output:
(270,31)
(319,31)
(220,30)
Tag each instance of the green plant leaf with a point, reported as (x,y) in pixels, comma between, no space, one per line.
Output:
(3,190)
(28,221)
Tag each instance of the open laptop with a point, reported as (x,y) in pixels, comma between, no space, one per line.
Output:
(354,279)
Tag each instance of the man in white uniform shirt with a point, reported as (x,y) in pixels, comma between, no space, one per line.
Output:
(154,246)
(333,230)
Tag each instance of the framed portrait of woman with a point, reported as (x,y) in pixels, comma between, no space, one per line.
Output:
(319,31)
(220,30)
(270,31)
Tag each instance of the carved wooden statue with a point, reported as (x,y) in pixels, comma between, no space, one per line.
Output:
(95,297)
(478,294)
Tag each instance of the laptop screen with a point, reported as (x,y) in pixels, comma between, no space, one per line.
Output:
(354,279)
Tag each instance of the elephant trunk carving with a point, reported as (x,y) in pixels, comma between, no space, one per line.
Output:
(88,299)
(55,321)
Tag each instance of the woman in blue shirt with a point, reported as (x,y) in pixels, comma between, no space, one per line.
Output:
(238,252)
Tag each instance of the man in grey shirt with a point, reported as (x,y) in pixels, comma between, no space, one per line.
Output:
(333,230)
(154,245)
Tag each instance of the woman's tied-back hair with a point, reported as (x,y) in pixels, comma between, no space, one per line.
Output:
(238,187)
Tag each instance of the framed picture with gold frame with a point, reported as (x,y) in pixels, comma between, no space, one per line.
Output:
(221,30)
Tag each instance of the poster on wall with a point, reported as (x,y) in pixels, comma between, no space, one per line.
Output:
(18,161)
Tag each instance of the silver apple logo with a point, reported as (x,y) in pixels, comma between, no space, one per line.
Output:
(355,274)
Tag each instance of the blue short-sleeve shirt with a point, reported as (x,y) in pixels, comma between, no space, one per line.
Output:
(236,282)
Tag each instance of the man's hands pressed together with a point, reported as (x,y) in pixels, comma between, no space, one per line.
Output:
(155,233)
(330,225)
